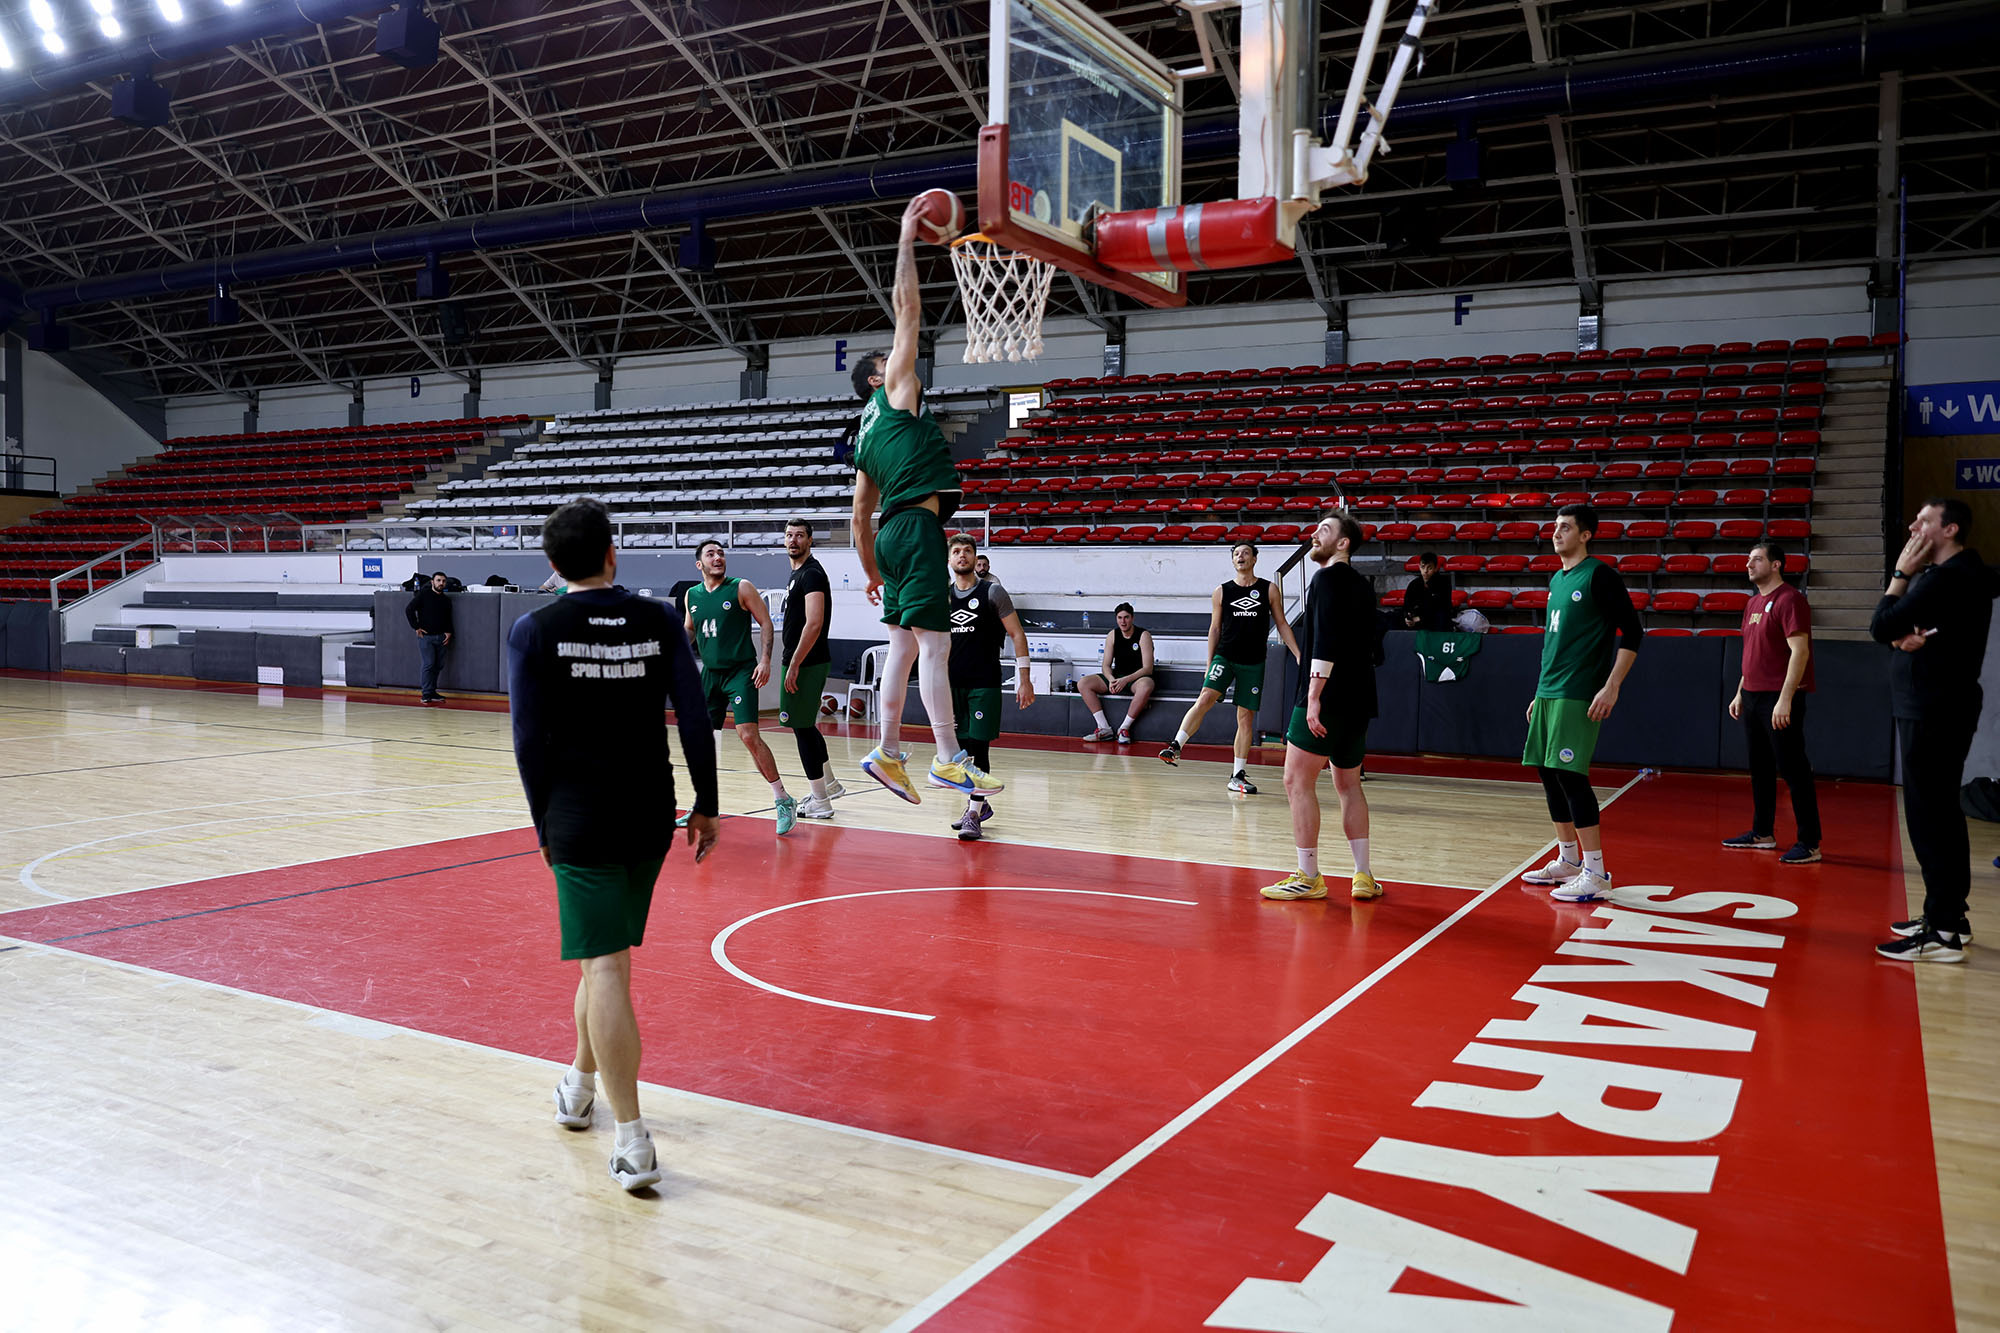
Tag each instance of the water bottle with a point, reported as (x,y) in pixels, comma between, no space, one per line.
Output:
(1086,620)
(1648,774)
(284,576)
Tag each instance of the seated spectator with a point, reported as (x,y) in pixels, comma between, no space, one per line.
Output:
(1427,601)
(1127,667)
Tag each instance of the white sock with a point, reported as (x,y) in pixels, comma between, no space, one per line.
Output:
(946,736)
(819,789)
(1567,850)
(1308,861)
(1359,846)
(576,1078)
(1103,722)
(778,789)
(1125,727)
(631,1131)
(1180,737)
(1594,861)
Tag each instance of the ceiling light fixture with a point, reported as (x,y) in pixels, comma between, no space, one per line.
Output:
(107,19)
(45,19)
(171,10)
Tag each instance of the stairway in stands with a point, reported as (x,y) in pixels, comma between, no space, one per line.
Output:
(1847,571)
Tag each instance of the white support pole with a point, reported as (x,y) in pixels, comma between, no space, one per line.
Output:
(1378,121)
(1357,82)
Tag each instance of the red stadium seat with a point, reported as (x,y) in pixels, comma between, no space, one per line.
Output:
(1638,564)
(1491,599)
(1725,603)
(1507,564)
(1531,599)
(1685,564)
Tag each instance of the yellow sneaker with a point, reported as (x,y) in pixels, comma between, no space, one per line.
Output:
(890,773)
(949,774)
(983,783)
(1295,886)
(1365,887)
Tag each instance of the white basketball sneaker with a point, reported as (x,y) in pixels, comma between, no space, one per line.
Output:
(1557,871)
(1585,886)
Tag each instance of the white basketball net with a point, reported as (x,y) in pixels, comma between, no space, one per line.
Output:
(1005,293)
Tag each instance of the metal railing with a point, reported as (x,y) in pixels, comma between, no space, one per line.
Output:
(632,534)
(18,471)
(88,569)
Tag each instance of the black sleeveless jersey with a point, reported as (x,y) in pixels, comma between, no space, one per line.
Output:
(1125,655)
(1246,622)
(976,637)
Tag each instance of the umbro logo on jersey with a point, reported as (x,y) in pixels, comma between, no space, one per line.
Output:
(1243,606)
(964,617)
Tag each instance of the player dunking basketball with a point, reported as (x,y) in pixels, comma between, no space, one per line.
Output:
(719,612)
(1240,614)
(903,463)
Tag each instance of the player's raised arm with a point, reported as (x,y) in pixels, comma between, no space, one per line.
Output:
(899,373)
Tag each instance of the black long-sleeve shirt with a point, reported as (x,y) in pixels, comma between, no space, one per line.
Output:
(590,677)
(1429,603)
(429,611)
(1940,679)
(1341,627)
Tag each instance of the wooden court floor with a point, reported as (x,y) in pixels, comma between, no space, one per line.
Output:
(281,1010)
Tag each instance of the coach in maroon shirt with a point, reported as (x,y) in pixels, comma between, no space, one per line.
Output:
(1771,702)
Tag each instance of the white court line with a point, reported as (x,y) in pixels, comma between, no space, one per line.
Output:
(335,1018)
(1166,1133)
(719,950)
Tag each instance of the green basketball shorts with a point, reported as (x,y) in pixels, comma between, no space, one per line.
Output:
(1248,678)
(603,908)
(1560,735)
(910,552)
(800,707)
(977,713)
(730,691)
(1345,744)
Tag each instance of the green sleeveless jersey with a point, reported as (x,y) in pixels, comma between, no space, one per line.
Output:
(1578,649)
(906,456)
(721,626)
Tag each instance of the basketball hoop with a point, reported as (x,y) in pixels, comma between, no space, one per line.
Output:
(1005,293)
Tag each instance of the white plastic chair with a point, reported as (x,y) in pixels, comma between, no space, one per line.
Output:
(869,687)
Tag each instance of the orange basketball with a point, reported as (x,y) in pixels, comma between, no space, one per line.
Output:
(943,217)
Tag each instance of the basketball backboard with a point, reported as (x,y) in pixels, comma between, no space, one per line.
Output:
(1081,121)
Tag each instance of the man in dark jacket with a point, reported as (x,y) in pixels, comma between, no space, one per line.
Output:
(429,614)
(1936,613)
(1427,601)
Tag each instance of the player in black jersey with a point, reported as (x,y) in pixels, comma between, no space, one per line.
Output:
(1340,648)
(1127,666)
(982,618)
(1239,625)
(590,677)
(808,622)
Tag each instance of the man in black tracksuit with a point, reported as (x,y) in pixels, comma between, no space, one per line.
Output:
(1937,619)
(429,614)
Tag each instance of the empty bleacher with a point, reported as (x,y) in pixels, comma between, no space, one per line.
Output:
(737,459)
(236,486)
(1689,453)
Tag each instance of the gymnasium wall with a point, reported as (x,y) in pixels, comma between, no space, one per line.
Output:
(1954,331)
(64,418)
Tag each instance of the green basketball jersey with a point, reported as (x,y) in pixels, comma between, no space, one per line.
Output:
(721,625)
(906,456)
(1578,649)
